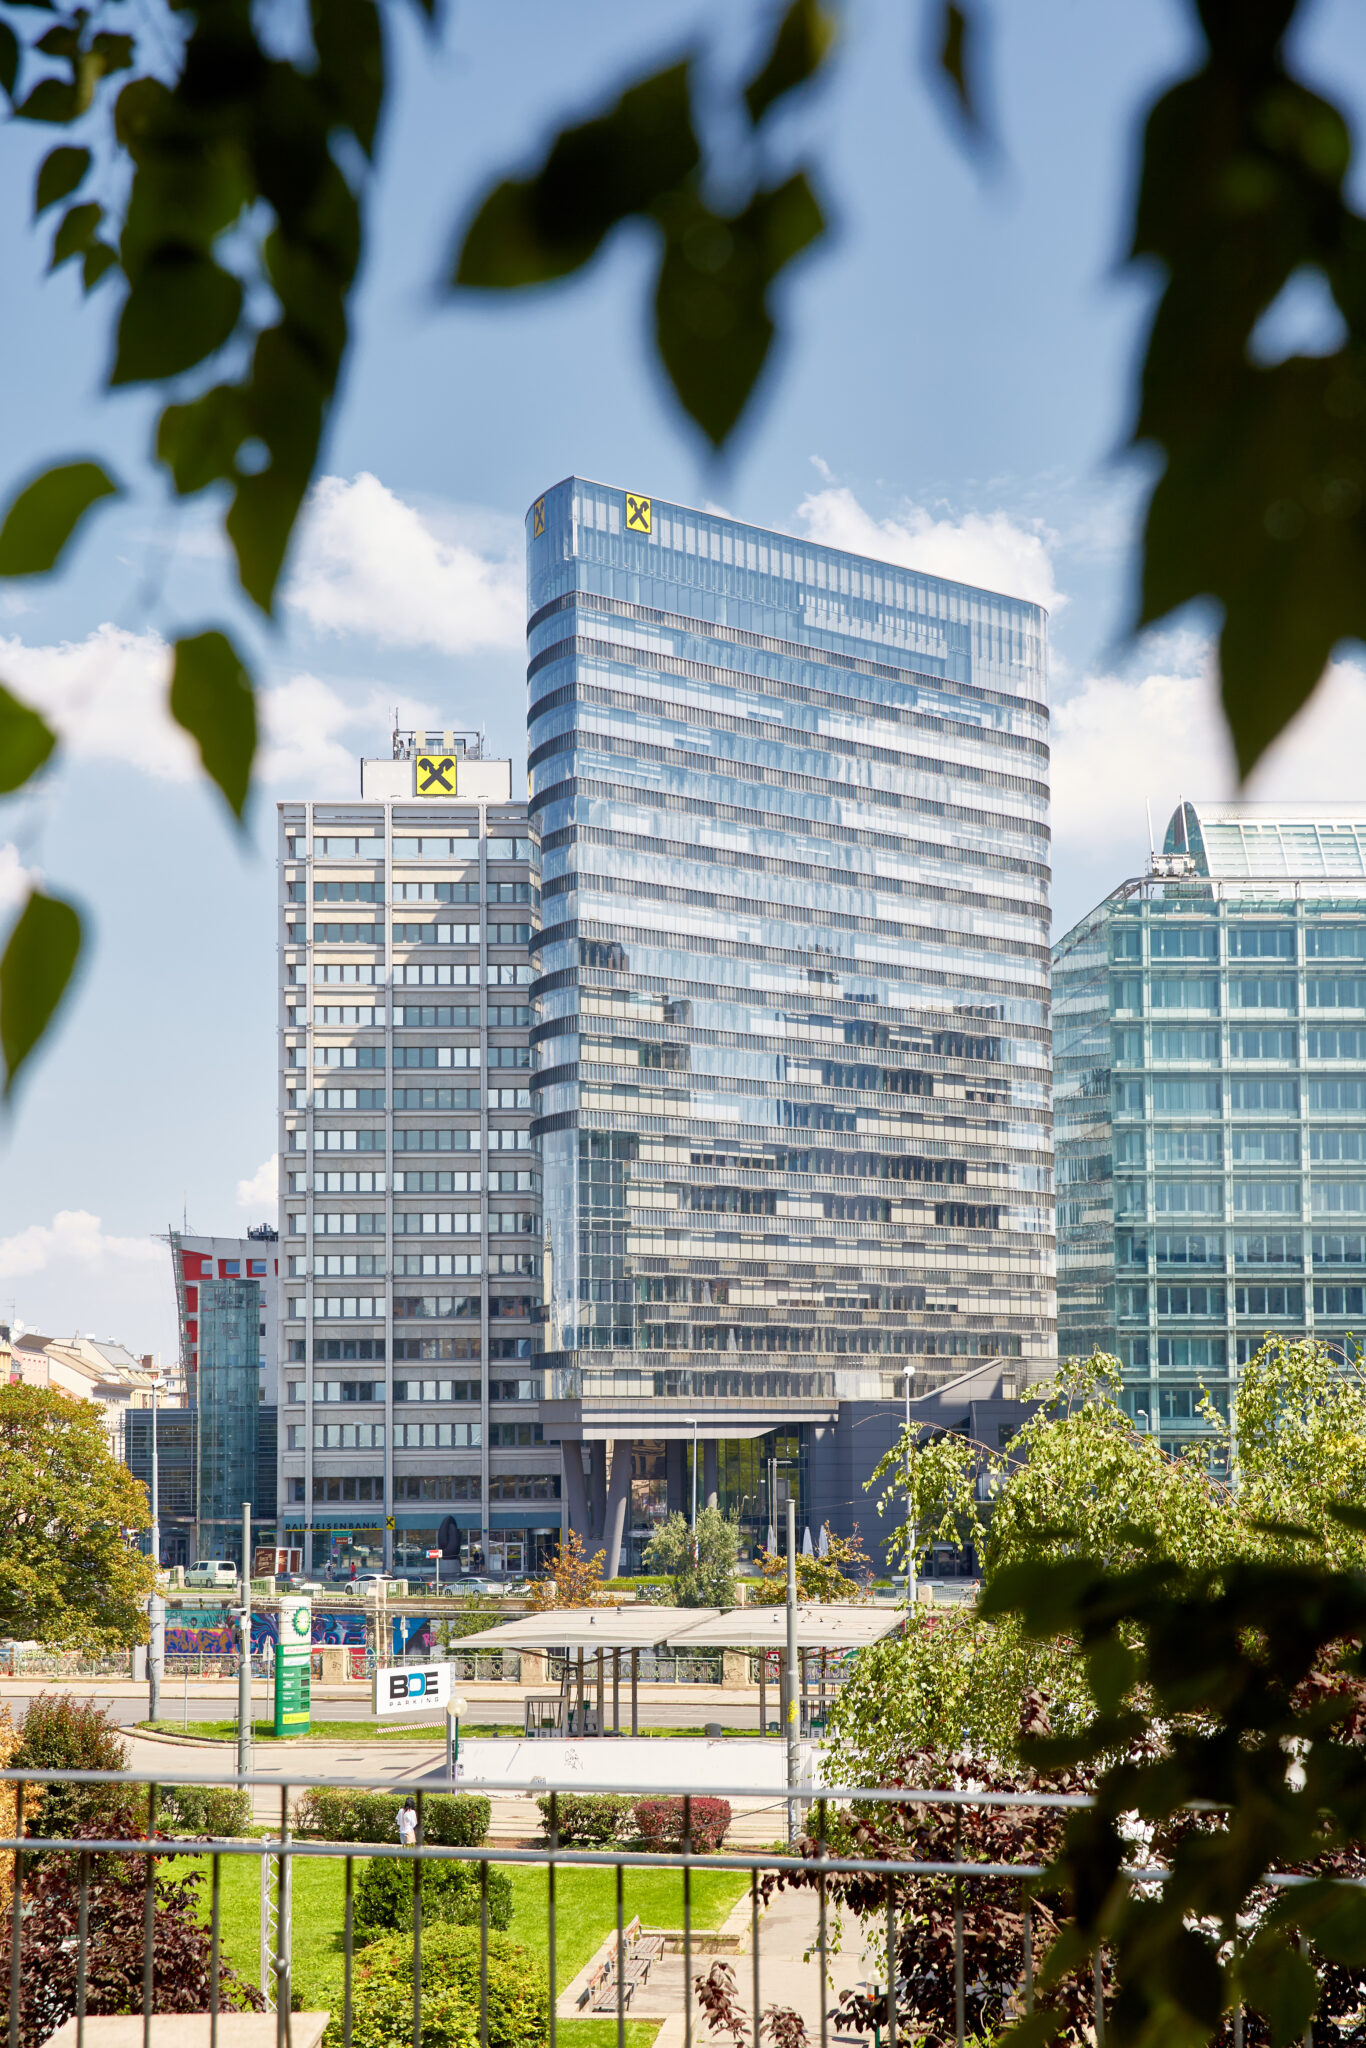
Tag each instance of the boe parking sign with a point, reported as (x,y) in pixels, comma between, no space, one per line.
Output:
(412,1688)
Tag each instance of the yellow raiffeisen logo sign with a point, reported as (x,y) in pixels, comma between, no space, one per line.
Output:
(538,519)
(638,512)
(434,775)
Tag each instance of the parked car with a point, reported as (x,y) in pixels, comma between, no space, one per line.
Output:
(366,1584)
(300,1585)
(218,1572)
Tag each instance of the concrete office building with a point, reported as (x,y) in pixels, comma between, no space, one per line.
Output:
(1210,1021)
(410,1195)
(792,1087)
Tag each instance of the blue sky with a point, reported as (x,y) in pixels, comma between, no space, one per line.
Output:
(953,392)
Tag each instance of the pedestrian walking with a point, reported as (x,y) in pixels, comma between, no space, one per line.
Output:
(407,1823)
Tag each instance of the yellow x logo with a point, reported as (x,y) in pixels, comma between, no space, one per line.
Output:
(538,519)
(637,514)
(436,774)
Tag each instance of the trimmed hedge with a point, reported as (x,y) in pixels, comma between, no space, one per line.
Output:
(659,1823)
(205,1810)
(450,1820)
(450,1895)
(589,1820)
(382,2005)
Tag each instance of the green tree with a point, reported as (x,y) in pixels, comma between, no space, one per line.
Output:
(1295,1444)
(1078,1480)
(209,183)
(842,1574)
(68,1573)
(702,1570)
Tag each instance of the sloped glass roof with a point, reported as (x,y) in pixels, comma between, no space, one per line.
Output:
(1250,842)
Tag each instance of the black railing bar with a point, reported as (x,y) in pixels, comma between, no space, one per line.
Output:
(768,1795)
(591,1859)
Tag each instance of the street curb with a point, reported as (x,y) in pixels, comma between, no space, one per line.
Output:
(142,1734)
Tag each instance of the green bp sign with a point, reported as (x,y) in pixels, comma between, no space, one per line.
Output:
(293,1666)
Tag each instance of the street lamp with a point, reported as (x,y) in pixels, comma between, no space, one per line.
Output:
(455,1708)
(694,1489)
(156,1606)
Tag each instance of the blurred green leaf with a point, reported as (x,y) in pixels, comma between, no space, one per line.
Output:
(712,322)
(26,740)
(52,99)
(60,172)
(1280,1984)
(99,258)
(958,41)
(35,972)
(348,38)
(1332,1915)
(75,232)
(9,57)
(211,696)
(45,514)
(182,307)
(804,39)
(529,230)
(1262,502)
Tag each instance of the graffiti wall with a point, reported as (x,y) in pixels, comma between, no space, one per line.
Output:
(208,1632)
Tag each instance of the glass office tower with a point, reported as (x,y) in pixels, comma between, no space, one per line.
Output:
(792,1095)
(410,1194)
(1210,1072)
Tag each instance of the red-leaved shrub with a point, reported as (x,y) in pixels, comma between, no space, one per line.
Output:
(659,1823)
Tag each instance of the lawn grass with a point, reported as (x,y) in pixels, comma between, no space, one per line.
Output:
(383,1731)
(585,1914)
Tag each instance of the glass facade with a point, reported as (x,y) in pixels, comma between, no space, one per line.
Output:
(792,1030)
(229,1405)
(411,1196)
(1210,1071)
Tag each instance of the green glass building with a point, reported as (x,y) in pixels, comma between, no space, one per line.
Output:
(1210,1103)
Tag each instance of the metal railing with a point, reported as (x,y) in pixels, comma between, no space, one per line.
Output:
(610,1981)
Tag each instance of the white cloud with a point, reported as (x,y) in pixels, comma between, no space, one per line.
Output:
(262,1191)
(15,879)
(105,697)
(369,563)
(73,1238)
(991,550)
(1118,739)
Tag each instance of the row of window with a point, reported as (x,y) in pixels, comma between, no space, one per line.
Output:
(1245,942)
(427,1350)
(370,846)
(431,1140)
(411,892)
(452,1486)
(422,974)
(1250,1248)
(412,1098)
(1201,1044)
(410,1307)
(428,1057)
(1250,1197)
(504,1181)
(1245,992)
(1275,1299)
(424,1223)
(1247,1146)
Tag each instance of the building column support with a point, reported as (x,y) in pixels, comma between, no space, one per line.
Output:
(597,1490)
(710,1484)
(618,1499)
(575,1500)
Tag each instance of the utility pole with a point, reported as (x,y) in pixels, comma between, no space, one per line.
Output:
(156,1606)
(244,1667)
(793,1675)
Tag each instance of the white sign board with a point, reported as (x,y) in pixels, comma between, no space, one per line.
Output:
(412,1688)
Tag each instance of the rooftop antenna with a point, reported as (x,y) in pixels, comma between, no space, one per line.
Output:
(1147,805)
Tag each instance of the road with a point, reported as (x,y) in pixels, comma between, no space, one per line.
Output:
(217,1701)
